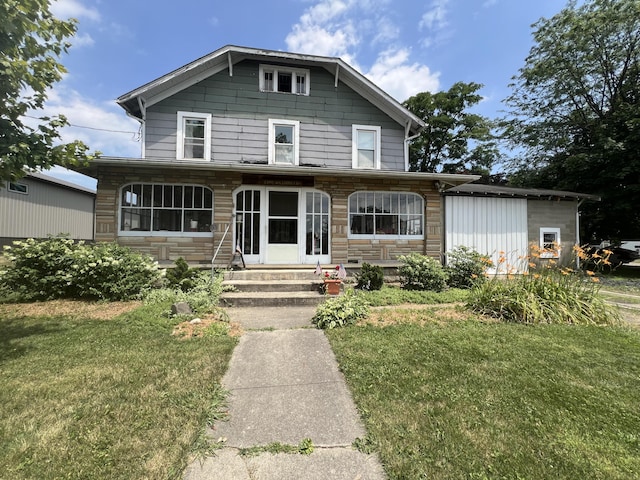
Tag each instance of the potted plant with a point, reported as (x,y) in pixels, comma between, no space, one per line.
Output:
(332,280)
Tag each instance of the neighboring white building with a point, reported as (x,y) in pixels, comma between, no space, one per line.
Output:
(39,205)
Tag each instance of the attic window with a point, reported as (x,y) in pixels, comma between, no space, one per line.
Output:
(194,136)
(19,188)
(284,80)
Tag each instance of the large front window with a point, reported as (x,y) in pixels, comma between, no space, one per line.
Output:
(162,208)
(194,136)
(284,136)
(386,214)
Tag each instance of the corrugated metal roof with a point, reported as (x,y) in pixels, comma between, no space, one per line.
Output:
(229,55)
(499,191)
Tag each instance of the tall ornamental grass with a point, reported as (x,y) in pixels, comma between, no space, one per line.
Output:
(547,293)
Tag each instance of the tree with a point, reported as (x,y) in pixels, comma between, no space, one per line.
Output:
(31,41)
(575,112)
(454,141)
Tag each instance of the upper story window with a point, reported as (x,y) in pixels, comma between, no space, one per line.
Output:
(194,136)
(18,188)
(162,209)
(386,215)
(366,146)
(274,78)
(284,139)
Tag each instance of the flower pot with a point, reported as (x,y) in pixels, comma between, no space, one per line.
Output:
(332,287)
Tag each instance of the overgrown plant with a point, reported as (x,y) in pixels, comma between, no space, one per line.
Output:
(420,272)
(547,293)
(181,276)
(371,277)
(58,267)
(341,311)
(202,297)
(466,267)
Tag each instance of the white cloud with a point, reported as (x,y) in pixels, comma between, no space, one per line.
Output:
(82,40)
(401,79)
(103,126)
(341,28)
(489,3)
(65,9)
(435,21)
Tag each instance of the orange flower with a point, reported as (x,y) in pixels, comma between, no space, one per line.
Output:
(532,265)
(536,275)
(589,272)
(595,279)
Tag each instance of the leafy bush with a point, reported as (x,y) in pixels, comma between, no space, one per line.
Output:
(371,277)
(465,267)
(181,276)
(548,294)
(341,311)
(203,297)
(420,272)
(60,268)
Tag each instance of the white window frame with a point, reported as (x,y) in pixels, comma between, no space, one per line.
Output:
(377,145)
(546,253)
(379,236)
(295,72)
(182,116)
(273,122)
(163,233)
(12,187)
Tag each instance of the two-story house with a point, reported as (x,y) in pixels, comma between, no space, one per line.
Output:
(293,158)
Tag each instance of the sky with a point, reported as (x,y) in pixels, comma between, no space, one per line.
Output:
(403,46)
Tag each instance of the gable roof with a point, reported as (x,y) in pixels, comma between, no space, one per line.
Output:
(476,189)
(226,57)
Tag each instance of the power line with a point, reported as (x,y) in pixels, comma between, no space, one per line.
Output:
(90,128)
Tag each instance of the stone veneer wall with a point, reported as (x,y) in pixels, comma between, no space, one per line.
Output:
(201,249)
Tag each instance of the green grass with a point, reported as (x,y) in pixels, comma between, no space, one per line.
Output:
(396,296)
(479,400)
(625,278)
(107,399)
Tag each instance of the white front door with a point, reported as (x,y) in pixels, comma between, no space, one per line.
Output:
(283,223)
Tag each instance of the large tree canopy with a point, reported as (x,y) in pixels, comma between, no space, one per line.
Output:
(576,112)
(31,41)
(454,140)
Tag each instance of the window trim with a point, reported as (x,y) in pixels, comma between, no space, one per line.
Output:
(303,72)
(354,146)
(181,117)
(163,233)
(273,122)
(11,187)
(378,236)
(546,253)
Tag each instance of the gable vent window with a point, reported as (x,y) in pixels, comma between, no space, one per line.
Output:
(194,136)
(284,80)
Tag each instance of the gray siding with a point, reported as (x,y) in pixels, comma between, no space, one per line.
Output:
(46,210)
(240,114)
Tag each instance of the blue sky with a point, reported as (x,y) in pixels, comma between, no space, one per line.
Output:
(405,47)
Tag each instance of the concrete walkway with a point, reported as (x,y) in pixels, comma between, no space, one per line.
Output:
(285,386)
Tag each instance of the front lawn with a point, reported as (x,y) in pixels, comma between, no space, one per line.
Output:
(450,397)
(86,397)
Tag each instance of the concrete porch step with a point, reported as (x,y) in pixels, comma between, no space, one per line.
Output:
(271,299)
(275,285)
(262,274)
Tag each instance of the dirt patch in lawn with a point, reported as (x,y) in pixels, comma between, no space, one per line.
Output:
(207,324)
(73,308)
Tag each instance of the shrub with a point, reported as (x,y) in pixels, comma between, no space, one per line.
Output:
(181,276)
(371,277)
(419,272)
(59,268)
(465,267)
(203,297)
(548,294)
(341,311)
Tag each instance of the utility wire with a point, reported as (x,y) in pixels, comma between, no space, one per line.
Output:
(90,128)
